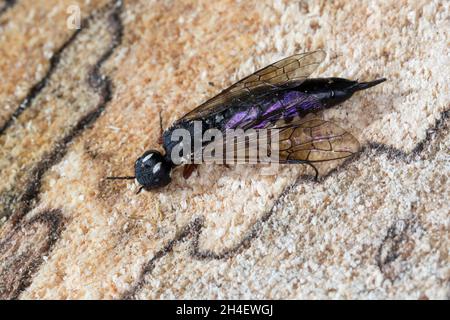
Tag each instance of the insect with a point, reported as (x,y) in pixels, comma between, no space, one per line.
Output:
(277,97)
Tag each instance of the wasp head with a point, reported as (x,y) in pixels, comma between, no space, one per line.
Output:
(152,170)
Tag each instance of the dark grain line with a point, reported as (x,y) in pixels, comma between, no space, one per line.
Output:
(397,245)
(17,270)
(54,61)
(190,230)
(407,157)
(390,244)
(37,88)
(102,85)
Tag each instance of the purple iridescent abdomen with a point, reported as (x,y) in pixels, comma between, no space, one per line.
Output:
(271,108)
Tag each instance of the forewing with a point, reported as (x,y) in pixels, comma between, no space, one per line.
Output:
(308,140)
(286,73)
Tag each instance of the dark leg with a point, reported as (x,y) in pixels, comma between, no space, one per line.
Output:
(188,170)
(140,189)
(315,170)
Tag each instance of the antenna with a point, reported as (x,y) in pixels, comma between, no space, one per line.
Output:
(161,122)
(126,178)
(121,178)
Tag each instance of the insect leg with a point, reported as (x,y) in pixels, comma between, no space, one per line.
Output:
(188,170)
(161,123)
(161,130)
(139,190)
(316,176)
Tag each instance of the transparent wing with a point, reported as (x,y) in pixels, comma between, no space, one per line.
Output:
(315,140)
(286,73)
(308,140)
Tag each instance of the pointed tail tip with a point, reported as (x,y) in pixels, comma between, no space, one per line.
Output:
(366,85)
